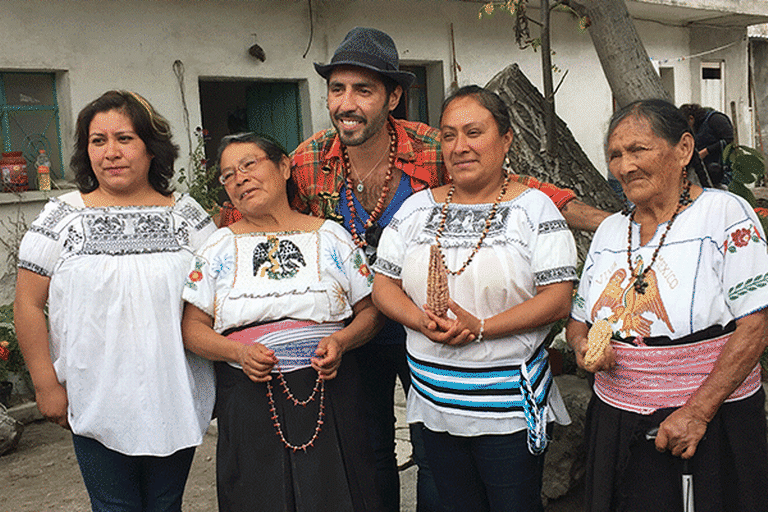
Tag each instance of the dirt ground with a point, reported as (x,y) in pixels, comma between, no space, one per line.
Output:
(41,474)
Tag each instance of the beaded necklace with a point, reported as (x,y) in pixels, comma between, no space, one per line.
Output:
(640,283)
(488,220)
(376,213)
(319,387)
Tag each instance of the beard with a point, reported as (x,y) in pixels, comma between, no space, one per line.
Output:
(370,126)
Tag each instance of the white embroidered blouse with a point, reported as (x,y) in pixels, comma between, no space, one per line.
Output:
(475,389)
(240,279)
(114,306)
(712,269)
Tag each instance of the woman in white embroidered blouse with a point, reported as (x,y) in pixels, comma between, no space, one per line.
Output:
(482,387)
(110,261)
(276,298)
(678,283)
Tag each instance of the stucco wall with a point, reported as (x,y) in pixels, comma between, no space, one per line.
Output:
(132,44)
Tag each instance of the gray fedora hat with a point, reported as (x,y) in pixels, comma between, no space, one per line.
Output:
(370,49)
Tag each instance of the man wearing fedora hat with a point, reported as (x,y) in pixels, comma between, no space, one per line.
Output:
(359,173)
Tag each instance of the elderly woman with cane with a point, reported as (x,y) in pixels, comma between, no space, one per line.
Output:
(671,318)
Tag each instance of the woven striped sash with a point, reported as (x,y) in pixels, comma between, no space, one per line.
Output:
(294,341)
(647,378)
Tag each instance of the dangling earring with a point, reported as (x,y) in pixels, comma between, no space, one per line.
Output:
(507,167)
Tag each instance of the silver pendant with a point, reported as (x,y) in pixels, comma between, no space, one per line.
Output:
(360,187)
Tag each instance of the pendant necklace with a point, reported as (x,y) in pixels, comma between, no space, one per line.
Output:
(360,185)
(640,283)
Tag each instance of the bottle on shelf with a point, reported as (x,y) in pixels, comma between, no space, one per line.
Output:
(43,164)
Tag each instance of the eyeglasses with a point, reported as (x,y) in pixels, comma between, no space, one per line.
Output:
(246,167)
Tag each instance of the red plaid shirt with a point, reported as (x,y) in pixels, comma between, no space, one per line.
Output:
(318,167)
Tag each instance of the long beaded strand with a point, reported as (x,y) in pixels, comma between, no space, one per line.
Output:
(374,216)
(488,221)
(640,283)
(319,386)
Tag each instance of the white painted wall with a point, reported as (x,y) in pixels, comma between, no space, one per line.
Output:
(131,44)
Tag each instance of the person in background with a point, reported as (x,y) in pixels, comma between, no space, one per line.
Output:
(481,388)
(676,285)
(712,131)
(109,260)
(277,298)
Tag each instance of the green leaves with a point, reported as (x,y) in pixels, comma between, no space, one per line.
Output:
(750,285)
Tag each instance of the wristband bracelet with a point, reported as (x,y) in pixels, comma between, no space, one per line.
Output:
(482,328)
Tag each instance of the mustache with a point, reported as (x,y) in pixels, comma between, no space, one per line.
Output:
(349,115)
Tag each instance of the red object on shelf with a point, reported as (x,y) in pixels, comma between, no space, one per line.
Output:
(13,169)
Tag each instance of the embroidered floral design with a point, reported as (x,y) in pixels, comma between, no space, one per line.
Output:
(362,267)
(741,238)
(579,301)
(339,299)
(336,258)
(196,275)
(74,239)
(750,285)
(223,264)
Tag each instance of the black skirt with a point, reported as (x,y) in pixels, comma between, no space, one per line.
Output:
(626,473)
(254,469)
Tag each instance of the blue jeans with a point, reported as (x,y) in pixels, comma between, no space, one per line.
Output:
(485,473)
(380,366)
(125,483)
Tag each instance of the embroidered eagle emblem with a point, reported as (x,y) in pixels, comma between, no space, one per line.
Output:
(627,305)
(283,258)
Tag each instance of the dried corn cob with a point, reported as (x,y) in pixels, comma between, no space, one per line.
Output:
(598,339)
(437,283)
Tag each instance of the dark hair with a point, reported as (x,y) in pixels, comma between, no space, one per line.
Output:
(152,128)
(696,111)
(488,99)
(275,153)
(666,120)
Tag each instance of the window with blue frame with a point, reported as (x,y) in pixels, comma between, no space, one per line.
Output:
(29,119)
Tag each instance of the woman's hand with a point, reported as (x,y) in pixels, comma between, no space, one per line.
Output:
(328,358)
(52,403)
(451,331)
(576,335)
(680,433)
(257,362)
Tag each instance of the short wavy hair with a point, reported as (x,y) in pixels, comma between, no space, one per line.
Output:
(152,128)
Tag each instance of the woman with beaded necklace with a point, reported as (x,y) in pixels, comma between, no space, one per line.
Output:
(276,298)
(677,285)
(481,380)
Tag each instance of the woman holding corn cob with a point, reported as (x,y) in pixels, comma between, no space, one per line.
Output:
(481,380)
(671,318)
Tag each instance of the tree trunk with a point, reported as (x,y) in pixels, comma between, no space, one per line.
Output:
(567,166)
(622,55)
